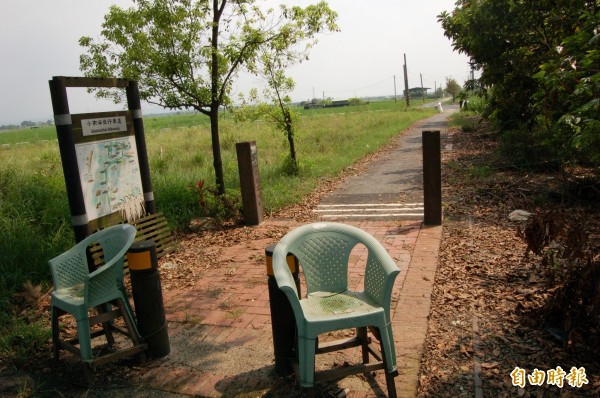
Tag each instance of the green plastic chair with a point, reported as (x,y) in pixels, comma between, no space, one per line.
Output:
(76,291)
(323,251)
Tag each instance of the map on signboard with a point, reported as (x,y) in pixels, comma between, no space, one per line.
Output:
(110,178)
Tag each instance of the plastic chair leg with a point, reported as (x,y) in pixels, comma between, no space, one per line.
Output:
(306,359)
(387,348)
(125,298)
(130,324)
(85,342)
(389,359)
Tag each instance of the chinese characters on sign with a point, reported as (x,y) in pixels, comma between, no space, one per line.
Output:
(103,125)
(557,377)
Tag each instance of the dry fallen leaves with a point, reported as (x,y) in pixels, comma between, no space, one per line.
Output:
(487,294)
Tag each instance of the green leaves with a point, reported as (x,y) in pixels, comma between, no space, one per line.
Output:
(167,45)
(186,53)
(571,78)
(541,60)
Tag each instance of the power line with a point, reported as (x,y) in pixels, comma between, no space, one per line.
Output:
(434,76)
(361,88)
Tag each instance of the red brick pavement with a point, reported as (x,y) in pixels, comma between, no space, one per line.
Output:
(220,328)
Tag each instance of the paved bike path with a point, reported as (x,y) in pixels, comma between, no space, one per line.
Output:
(392,186)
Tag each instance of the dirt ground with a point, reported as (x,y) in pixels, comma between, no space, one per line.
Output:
(494,308)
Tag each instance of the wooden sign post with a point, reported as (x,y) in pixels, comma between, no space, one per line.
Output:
(432,178)
(249,182)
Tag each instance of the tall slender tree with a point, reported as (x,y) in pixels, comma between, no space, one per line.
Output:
(186,53)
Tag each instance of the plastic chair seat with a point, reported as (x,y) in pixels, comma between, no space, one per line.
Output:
(331,310)
(70,296)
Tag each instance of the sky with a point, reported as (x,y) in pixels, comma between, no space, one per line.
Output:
(39,40)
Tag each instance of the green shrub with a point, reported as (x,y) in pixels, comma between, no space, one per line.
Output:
(220,207)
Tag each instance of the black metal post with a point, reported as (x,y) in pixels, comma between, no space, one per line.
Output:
(66,144)
(135,107)
(283,322)
(147,297)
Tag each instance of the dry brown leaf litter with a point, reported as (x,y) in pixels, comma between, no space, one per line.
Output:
(485,319)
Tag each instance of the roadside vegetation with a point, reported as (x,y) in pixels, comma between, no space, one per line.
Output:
(34,213)
(508,296)
(539,76)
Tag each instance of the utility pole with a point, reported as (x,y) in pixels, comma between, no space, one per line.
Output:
(434,88)
(422,89)
(394,88)
(406,92)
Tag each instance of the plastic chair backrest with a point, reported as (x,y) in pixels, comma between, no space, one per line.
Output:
(71,268)
(100,286)
(376,281)
(323,251)
(324,257)
(112,240)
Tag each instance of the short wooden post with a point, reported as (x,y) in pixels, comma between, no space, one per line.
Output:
(432,178)
(249,182)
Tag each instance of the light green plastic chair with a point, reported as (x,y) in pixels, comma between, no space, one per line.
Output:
(76,291)
(323,250)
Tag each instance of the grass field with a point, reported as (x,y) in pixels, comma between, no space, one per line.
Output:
(21,136)
(34,213)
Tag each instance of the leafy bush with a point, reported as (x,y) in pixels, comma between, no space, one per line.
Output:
(356,101)
(220,207)
(568,96)
(539,62)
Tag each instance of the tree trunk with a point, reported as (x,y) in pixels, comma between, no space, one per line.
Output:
(214,105)
(289,129)
(216,148)
(292,146)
